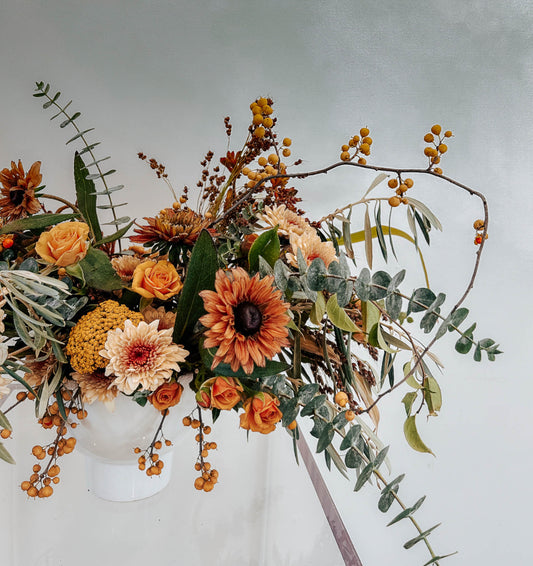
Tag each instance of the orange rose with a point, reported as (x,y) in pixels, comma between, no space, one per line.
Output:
(156,279)
(261,413)
(166,395)
(65,244)
(225,393)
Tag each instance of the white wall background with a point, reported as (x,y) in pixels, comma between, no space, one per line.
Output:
(160,76)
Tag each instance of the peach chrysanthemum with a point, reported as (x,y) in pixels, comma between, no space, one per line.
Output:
(141,355)
(288,222)
(96,386)
(311,247)
(125,265)
(246,320)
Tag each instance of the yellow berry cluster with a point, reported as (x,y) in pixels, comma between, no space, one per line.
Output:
(40,482)
(360,145)
(208,477)
(268,166)
(89,335)
(261,109)
(401,187)
(479,227)
(434,152)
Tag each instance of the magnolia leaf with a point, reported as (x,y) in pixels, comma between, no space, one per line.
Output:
(200,276)
(266,245)
(5,455)
(338,316)
(84,197)
(98,271)
(35,222)
(412,436)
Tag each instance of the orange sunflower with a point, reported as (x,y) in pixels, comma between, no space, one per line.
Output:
(246,320)
(18,191)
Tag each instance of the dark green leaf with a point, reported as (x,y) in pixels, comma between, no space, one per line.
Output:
(435,559)
(333,284)
(464,344)
(318,427)
(307,392)
(353,458)
(410,543)
(409,511)
(317,275)
(393,305)
(364,476)
(29,264)
(425,226)
(35,222)
(340,421)
(380,284)
(200,276)
(313,405)
(380,457)
(98,271)
(326,436)
(266,245)
(457,318)
(362,285)
(379,232)
(421,299)
(289,408)
(86,201)
(351,437)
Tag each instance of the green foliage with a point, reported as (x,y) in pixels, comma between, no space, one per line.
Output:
(200,276)
(86,198)
(267,246)
(97,271)
(37,222)
(412,436)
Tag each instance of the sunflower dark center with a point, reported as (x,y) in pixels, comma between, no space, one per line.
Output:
(16,196)
(248,318)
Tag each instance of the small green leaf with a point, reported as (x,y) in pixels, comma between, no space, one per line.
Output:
(437,558)
(4,422)
(412,436)
(380,457)
(266,245)
(362,285)
(307,392)
(421,300)
(5,455)
(338,316)
(408,400)
(313,405)
(351,437)
(317,275)
(353,458)
(410,543)
(289,408)
(380,284)
(325,437)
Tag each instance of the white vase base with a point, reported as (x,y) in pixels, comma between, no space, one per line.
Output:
(115,481)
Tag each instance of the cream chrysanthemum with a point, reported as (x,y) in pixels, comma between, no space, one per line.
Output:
(141,355)
(288,222)
(311,247)
(96,387)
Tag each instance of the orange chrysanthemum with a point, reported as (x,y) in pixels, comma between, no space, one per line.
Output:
(173,226)
(246,320)
(18,191)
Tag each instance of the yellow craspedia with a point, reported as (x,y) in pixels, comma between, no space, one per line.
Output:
(88,337)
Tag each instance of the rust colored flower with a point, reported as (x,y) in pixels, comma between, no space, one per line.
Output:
(156,279)
(230,160)
(166,395)
(261,413)
(18,191)
(246,320)
(174,226)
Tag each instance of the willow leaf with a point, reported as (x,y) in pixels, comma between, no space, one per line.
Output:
(368,238)
(412,436)
(5,455)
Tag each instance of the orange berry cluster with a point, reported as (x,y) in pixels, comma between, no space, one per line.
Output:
(479,227)
(7,241)
(149,461)
(360,145)
(268,166)
(401,188)
(40,482)
(437,148)
(208,477)
(341,399)
(261,109)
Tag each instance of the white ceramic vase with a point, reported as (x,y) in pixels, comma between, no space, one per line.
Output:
(108,438)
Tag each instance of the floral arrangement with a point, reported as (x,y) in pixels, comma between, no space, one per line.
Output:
(276,317)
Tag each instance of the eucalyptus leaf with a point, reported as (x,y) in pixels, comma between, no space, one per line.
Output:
(407,512)
(364,476)
(326,436)
(410,543)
